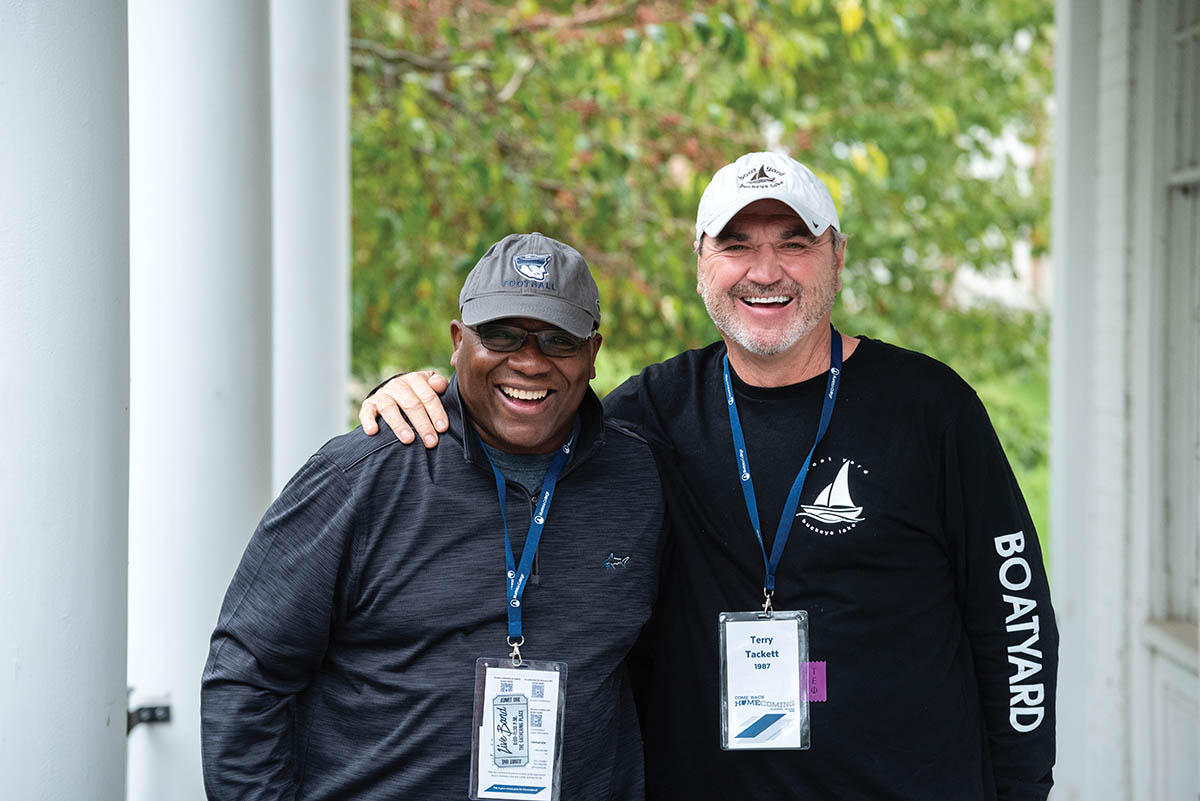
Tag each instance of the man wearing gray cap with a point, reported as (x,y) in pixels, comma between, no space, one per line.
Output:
(386,582)
(853,604)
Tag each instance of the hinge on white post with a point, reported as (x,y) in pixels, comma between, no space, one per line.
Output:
(158,712)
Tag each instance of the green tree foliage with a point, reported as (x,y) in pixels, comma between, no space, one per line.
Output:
(600,123)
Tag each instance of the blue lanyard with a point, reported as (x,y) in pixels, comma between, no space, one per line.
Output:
(793,498)
(517,575)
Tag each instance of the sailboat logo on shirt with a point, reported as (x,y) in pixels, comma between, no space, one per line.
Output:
(833,505)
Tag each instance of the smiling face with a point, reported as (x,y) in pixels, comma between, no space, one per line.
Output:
(524,401)
(766,281)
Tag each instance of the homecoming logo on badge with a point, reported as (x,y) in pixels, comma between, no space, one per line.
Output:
(533,266)
(834,511)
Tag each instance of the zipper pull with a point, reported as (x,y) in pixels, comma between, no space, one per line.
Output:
(535,578)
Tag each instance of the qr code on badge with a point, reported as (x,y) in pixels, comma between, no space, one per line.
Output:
(539,691)
(506,686)
(535,719)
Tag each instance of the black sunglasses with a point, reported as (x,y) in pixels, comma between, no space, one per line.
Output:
(503,338)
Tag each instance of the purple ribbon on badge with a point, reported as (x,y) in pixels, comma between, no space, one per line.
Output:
(816,680)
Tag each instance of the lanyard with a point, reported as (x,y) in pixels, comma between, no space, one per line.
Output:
(515,574)
(793,498)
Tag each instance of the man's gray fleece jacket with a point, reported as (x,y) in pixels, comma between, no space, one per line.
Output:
(342,665)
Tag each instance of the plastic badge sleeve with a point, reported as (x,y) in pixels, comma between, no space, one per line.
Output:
(517,729)
(764,697)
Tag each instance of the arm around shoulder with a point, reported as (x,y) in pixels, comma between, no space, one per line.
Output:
(408,398)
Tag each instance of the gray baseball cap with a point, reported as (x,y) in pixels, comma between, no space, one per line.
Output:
(532,275)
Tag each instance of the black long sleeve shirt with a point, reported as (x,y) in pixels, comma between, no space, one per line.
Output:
(931,613)
(343,661)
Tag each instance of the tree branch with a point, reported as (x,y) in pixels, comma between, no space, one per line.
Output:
(524,67)
(440,60)
(582,19)
(586,18)
(437,62)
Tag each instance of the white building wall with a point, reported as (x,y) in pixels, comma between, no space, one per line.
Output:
(1128,689)
(1164,377)
(64,415)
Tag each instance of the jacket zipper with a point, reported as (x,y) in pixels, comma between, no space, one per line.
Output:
(536,577)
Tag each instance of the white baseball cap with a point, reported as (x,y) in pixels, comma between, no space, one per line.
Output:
(761,176)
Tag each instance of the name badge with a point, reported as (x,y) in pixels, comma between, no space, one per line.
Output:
(764,696)
(516,742)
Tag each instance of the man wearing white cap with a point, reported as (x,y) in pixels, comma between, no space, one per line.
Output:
(841,512)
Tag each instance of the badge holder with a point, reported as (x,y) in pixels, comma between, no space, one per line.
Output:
(764,698)
(517,731)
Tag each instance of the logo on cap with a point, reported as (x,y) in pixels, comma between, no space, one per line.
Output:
(532,266)
(762,177)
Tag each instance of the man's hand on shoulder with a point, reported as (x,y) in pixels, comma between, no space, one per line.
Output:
(408,399)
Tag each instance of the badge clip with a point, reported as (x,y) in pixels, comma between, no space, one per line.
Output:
(515,656)
(768,611)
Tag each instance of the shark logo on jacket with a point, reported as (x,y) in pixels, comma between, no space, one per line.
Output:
(614,562)
(833,511)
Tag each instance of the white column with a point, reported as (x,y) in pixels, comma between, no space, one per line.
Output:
(200,215)
(64,415)
(1072,384)
(310,113)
